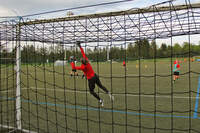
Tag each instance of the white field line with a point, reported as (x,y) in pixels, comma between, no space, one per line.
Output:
(14,128)
(84,92)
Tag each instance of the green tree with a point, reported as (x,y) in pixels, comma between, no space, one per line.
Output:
(153,49)
(145,48)
(115,53)
(142,48)
(162,52)
(177,49)
(185,49)
(130,51)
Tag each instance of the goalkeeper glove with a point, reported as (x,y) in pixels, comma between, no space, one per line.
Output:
(78,43)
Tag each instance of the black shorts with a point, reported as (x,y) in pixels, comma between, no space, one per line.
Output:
(93,81)
(176,73)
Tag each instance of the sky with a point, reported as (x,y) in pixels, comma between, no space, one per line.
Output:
(28,7)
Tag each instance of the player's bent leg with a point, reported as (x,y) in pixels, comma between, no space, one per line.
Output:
(91,87)
(97,97)
(98,82)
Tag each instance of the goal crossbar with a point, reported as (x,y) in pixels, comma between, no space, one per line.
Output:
(117,13)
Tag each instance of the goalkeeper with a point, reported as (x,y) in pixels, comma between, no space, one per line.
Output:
(91,76)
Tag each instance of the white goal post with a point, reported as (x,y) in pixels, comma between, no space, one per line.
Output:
(18,89)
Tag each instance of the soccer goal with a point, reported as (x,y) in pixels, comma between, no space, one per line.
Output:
(142,56)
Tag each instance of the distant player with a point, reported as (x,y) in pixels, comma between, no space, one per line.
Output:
(176,70)
(73,59)
(124,64)
(91,76)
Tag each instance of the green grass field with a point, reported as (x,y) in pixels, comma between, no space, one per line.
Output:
(145,99)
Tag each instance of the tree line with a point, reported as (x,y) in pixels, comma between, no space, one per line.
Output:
(142,49)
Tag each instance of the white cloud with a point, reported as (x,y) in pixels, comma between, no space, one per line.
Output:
(196,1)
(25,7)
(6,12)
(194,39)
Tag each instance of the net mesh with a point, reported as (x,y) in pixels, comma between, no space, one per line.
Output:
(55,99)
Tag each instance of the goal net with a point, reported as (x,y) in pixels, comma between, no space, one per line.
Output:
(133,52)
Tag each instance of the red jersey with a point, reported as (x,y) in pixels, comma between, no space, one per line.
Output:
(175,62)
(87,69)
(124,63)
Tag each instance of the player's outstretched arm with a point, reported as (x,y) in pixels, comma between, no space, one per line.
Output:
(82,51)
